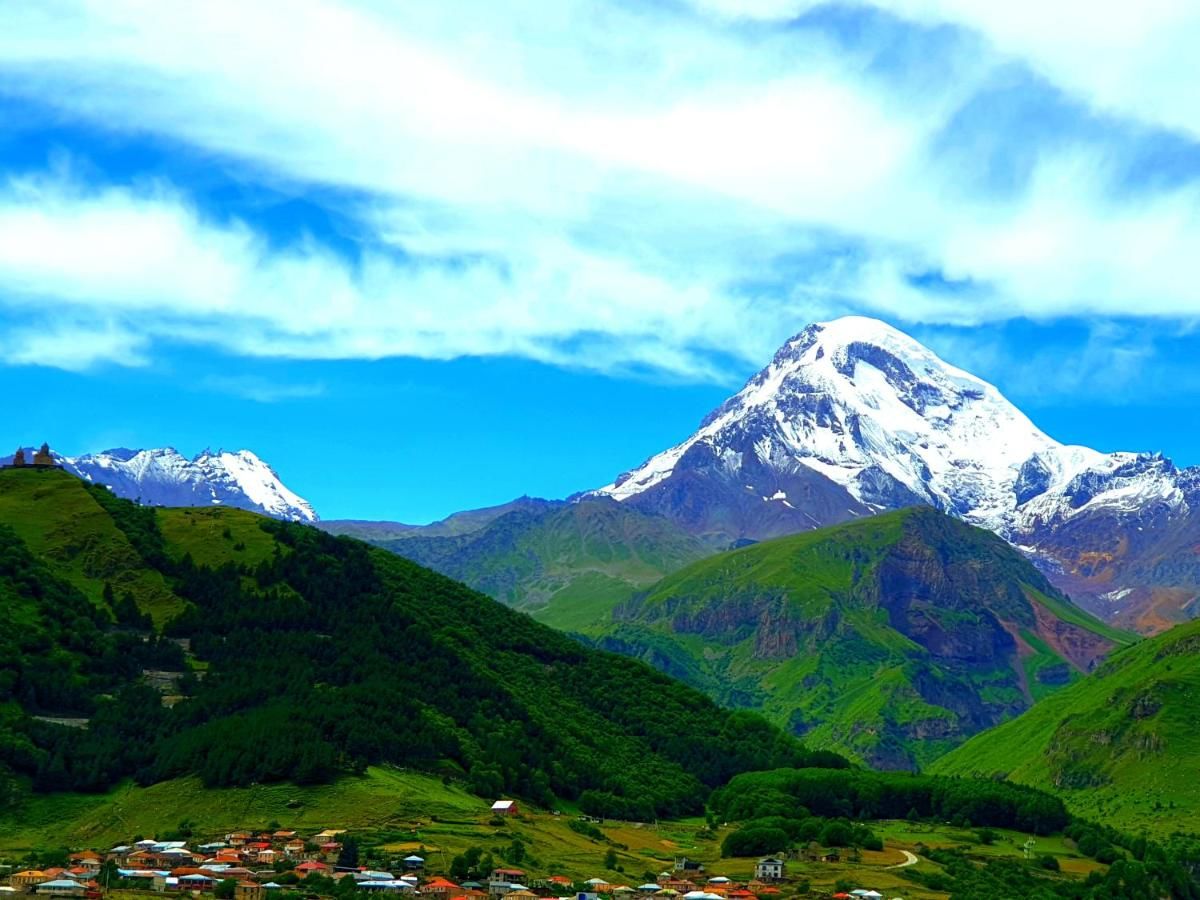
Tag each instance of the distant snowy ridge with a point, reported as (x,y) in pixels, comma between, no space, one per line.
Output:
(878,414)
(164,477)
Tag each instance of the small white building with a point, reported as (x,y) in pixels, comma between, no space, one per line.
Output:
(769,868)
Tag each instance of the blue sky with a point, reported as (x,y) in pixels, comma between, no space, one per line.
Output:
(424,257)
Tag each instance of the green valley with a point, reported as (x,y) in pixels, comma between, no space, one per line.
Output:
(568,565)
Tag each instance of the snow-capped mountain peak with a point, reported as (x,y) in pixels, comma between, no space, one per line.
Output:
(165,477)
(881,416)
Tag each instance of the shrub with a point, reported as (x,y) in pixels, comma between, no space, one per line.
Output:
(1048,862)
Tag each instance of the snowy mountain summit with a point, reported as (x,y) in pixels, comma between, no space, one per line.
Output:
(853,416)
(164,477)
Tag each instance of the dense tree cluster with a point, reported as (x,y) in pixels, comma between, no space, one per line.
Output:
(61,656)
(775,834)
(864,795)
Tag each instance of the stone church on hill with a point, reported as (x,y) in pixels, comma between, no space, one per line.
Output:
(42,459)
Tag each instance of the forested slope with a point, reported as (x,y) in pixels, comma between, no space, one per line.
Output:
(298,655)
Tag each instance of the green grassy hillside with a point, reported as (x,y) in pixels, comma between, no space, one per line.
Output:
(1120,745)
(72,530)
(290,654)
(568,565)
(891,638)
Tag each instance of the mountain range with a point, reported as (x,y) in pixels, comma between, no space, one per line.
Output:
(165,477)
(853,417)
(850,418)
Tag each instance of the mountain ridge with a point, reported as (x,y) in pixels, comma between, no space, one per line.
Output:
(165,477)
(1119,744)
(890,638)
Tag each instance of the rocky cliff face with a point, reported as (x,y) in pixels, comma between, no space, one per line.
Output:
(892,638)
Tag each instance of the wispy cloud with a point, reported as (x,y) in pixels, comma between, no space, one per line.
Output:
(262,390)
(603,185)
(73,346)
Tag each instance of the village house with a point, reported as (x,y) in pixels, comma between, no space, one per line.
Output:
(768,869)
(678,885)
(505,808)
(440,889)
(373,875)
(248,890)
(307,868)
(508,875)
(237,872)
(688,866)
(196,882)
(395,886)
(414,862)
(28,880)
(62,887)
(295,848)
(88,859)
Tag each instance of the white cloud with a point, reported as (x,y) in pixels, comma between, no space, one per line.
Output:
(1132,59)
(1136,60)
(153,263)
(604,185)
(75,347)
